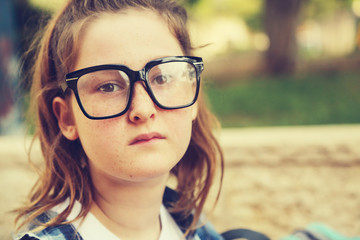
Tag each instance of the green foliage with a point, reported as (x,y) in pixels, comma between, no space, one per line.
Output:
(252,11)
(319,9)
(318,99)
(188,3)
(207,9)
(46,5)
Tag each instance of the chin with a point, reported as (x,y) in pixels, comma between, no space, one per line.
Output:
(146,175)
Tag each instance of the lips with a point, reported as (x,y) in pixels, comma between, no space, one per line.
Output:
(144,138)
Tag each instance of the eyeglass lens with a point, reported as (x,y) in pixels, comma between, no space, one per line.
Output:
(107,92)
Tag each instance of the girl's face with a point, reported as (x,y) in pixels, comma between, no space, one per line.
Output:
(146,142)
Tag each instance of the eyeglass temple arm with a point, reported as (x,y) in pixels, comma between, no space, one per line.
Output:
(199,66)
(64,84)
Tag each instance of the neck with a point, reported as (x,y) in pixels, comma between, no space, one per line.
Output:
(129,210)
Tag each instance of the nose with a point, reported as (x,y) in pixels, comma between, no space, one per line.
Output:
(142,107)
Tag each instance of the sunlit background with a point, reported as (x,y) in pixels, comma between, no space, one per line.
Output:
(248,45)
(327,28)
(306,52)
(283,77)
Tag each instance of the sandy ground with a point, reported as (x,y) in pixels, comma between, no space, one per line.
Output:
(276,179)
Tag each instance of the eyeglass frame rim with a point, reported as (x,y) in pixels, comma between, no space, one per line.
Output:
(71,80)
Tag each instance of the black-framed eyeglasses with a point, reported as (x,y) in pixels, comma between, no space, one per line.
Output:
(105,91)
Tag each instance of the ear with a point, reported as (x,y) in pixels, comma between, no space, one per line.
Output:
(64,115)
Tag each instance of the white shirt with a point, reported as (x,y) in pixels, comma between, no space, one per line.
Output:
(92,229)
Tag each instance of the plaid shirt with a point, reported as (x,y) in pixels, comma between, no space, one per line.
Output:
(68,231)
(59,232)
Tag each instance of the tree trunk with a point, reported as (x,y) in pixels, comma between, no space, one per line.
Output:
(281,18)
(6,52)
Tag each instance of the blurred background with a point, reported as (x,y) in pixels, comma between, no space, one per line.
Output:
(283,78)
(268,62)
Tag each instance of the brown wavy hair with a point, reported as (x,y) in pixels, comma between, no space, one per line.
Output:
(64,175)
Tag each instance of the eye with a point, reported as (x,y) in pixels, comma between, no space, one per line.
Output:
(109,87)
(162,79)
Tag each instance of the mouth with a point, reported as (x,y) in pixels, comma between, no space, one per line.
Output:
(146,138)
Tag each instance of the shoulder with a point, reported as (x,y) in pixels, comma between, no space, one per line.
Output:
(58,232)
(205,232)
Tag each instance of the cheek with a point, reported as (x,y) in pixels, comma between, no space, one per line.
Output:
(106,151)
(91,138)
(100,132)
(180,126)
(95,135)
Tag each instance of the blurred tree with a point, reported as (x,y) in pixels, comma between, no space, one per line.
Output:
(280,21)
(6,53)
(29,21)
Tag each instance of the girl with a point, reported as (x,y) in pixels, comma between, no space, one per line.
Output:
(119,110)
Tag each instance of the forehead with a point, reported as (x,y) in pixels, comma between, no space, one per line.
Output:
(132,37)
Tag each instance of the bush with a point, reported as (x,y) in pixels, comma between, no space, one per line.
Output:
(301,100)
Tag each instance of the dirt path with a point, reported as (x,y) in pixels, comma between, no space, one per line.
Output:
(281,179)
(276,179)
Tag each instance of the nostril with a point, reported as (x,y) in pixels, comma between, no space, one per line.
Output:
(142,107)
